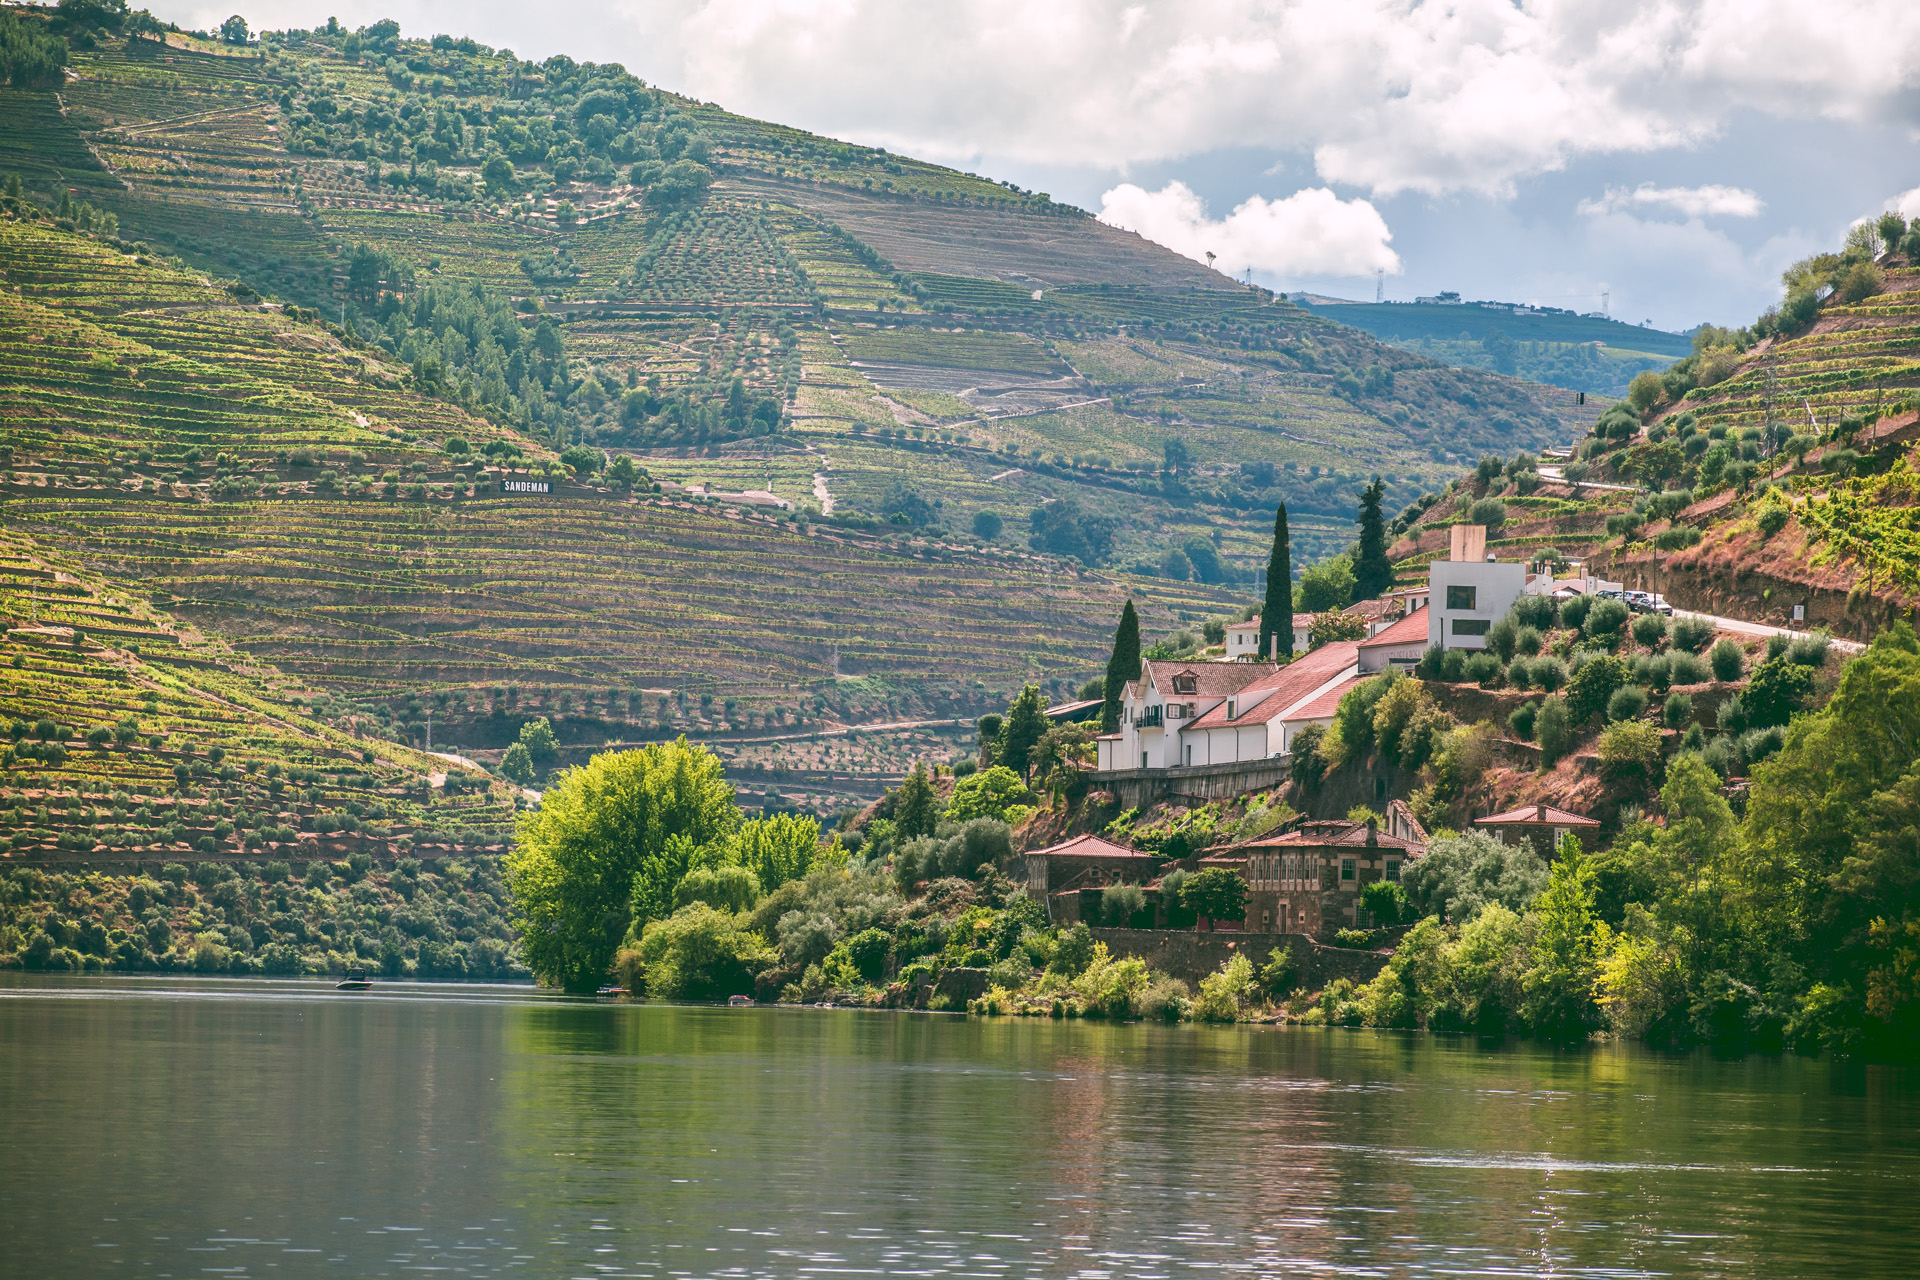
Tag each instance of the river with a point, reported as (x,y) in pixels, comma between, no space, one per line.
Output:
(171,1127)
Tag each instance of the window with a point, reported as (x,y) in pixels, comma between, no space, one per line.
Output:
(1470,626)
(1393,872)
(1463,597)
(1189,753)
(1186,683)
(1143,759)
(1346,870)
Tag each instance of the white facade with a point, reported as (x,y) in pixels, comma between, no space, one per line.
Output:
(1211,713)
(1243,639)
(1468,598)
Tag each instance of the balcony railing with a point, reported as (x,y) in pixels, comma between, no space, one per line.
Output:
(1149,719)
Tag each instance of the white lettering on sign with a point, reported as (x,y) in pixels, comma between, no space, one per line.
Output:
(526,486)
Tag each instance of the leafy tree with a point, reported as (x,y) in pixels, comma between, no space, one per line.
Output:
(1592,685)
(30,58)
(1215,893)
(1372,571)
(1276,615)
(497,173)
(537,737)
(1385,901)
(1120,903)
(517,764)
(700,953)
(732,889)
(1776,690)
(987,525)
(1335,624)
(1327,585)
(607,846)
(1064,528)
(1026,722)
(1123,666)
(1645,391)
(776,849)
(1460,876)
(915,806)
(1728,661)
(1206,561)
(991,793)
(1490,512)
(682,183)
(1568,943)
(1056,758)
(234,30)
(1553,730)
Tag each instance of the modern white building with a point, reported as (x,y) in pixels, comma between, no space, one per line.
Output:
(1469,592)
(1185,715)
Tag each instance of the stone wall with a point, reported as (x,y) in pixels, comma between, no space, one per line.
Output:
(1191,956)
(1138,788)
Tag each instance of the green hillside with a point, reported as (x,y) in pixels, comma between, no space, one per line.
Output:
(1542,344)
(832,437)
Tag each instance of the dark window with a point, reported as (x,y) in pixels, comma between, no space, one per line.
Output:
(1462,597)
(1470,626)
(1393,872)
(1346,869)
(1185,684)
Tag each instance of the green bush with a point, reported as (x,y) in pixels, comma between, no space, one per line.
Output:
(1547,673)
(1120,903)
(1772,518)
(1573,611)
(1728,661)
(698,953)
(1627,703)
(1385,901)
(1072,952)
(1520,720)
(1553,729)
(1649,629)
(1224,993)
(1605,618)
(1677,711)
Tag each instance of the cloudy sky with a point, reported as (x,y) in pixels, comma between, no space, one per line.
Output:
(1673,154)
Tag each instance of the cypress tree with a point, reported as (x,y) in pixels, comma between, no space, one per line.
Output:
(913,809)
(1123,666)
(1026,721)
(1372,571)
(1276,616)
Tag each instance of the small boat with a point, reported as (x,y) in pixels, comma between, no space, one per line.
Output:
(739,1000)
(611,991)
(356,981)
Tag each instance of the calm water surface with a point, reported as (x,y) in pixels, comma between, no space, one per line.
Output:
(230,1128)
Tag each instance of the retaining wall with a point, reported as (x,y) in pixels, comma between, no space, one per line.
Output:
(1191,956)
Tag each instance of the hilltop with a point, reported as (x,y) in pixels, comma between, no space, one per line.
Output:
(1587,352)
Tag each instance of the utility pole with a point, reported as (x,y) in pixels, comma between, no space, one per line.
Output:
(429,730)
(1379,284)
(1606,302)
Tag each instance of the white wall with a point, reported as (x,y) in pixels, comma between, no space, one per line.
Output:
(1495,587)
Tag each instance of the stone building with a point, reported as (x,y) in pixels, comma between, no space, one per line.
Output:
(1309,879)
(1541,826)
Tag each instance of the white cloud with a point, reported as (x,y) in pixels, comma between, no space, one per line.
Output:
(1385,95)
(1694,202)
(1907,204)
(1310,233)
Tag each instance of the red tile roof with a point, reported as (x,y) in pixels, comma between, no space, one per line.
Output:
(1211,679)
(1284,687)
(1330,833)
(1406,631)
(1542,815)
(1088,846)
(1326,702)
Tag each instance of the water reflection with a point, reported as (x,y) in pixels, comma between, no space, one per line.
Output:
(180,1128)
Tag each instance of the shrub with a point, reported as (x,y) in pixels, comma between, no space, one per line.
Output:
(1629,747)
(1490,512)
(1222,993)
(1728,661)
(1573,611)
(1280,973)
(1778,688)
(1592,685)
(1756,745)
(1461,876)
(1627,703)
(1485,669)
(1809,650)
(1166,999)
(1385,901)
(1649,629)
(699,953)
(1521,719)
(1553,729)
(1678,538)
(1011,974)
(1605,617)
(1685,668)
(1527,641)
(1073,952)
(1677,711)
(1690,634)
(1548,673)
(1520,673)
(1772,518)
(1119,903)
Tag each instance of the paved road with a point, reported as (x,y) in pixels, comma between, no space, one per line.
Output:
(1559,476)
(1763,629)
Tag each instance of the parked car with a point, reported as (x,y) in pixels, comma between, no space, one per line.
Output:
(1648,602)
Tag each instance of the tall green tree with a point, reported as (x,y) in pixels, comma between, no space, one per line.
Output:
(1123,666)
(606,846)
(913,808)
(1026,721)
(1276,615)
(1372,571)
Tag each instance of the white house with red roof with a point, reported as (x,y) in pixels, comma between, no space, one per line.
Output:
(1189,715)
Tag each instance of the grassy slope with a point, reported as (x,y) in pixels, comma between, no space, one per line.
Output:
(968,243)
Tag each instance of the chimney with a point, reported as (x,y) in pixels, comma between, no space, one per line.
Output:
(1540,813)
(1373,832)
(1469,543)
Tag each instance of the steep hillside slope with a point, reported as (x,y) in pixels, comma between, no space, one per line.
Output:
(574,189)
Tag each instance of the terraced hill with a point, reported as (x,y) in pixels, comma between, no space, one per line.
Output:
(272,163)
(1771,471)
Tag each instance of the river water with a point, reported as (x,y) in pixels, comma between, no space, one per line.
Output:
(242,1128)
